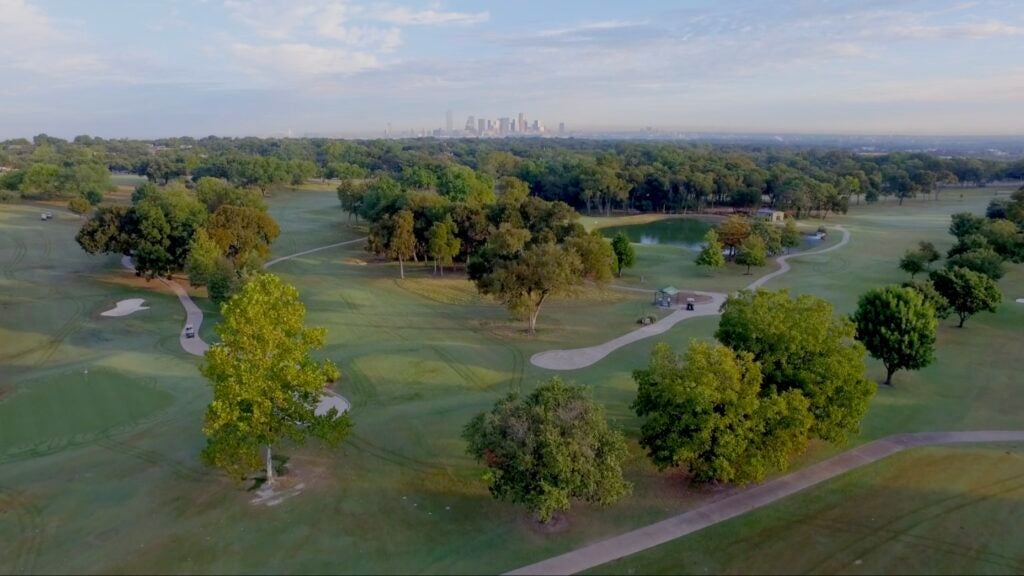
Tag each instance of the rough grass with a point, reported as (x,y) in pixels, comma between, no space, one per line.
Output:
(419,358)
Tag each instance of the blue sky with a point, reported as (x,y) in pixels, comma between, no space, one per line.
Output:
(148,68)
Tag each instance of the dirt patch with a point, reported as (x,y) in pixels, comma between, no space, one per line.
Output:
(354,261)
(559,523)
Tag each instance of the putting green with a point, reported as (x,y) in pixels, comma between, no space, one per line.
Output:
(74,407)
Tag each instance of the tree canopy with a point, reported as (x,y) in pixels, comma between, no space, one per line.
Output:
(897,326)
(709,410)
(968,292)
(266,383)
(801,345)
(549,448)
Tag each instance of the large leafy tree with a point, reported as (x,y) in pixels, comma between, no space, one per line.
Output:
(524,283)
(442,243)
(402,242)
(801,345)
(968,292)
(733,231)
(549,448)
(982,260)
(790,234)
(708,410)
(266,383)
(241,232)
(897,326)
(625,255)
(711,255)
(596,255)
(752,252)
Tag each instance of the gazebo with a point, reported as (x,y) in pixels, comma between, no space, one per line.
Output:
(666,297)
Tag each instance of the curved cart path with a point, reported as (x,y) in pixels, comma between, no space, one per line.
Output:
(582,357)
(194,316)
(752,498)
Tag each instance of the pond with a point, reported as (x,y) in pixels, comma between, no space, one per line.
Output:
(685,233)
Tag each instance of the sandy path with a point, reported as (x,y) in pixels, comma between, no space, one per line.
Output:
(582,357)
(194,316)
(752,498)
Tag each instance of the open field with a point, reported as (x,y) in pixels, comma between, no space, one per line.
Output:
(109,479)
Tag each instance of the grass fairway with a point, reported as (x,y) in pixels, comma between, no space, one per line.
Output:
(927,511)
(117,485)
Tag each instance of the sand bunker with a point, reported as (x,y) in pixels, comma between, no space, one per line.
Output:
(1020,300)
(126,307)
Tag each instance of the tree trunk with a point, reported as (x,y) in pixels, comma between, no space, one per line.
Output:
(535,313)
(270,467)
(962,319)
(888,375)
(435,267)
(401,268)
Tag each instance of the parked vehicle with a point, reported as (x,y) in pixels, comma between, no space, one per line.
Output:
(190,331)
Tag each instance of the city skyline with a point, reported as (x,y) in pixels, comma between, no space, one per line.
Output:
(346,68)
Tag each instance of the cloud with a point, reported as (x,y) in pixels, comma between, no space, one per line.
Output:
(288,62)
(30,42)
(981,30)
(407,17)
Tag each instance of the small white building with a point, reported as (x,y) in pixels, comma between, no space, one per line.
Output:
(769,215)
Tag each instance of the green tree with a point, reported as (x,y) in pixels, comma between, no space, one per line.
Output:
(913,263)
(241,232)
(79,205)
(266,383)
(733,231)
(443,244)
(968,292)
(707,410)
(524,282)
(350,194)
(596,255)
(927,291)
(549,448)
(625,255)
(402,242)
(711,255)
(41,181)
(790,234)
(751,253)
(214,193)
(983,261)
(801,345)
(897,326)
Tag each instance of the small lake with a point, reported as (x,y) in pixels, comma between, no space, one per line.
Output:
(685,233)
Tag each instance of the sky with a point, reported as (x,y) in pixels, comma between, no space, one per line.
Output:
(155,68)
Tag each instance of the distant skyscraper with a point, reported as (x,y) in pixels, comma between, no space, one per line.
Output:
(503,125)
(448,122)
(561,128)
(471,124)
(481,126)
(521,123)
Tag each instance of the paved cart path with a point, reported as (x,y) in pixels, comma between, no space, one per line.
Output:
(194,317)
(753,498)
(582,357)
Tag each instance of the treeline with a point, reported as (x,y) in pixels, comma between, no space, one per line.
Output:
(218,234)
(591,175)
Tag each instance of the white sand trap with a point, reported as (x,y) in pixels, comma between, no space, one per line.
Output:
(126,307)
(1020,300)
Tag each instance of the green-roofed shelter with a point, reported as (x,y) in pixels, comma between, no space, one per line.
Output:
(666,297)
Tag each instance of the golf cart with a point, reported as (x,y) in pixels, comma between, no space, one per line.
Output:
(190,331)
(46,216)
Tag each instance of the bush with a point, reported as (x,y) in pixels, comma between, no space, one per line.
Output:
(7,196)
